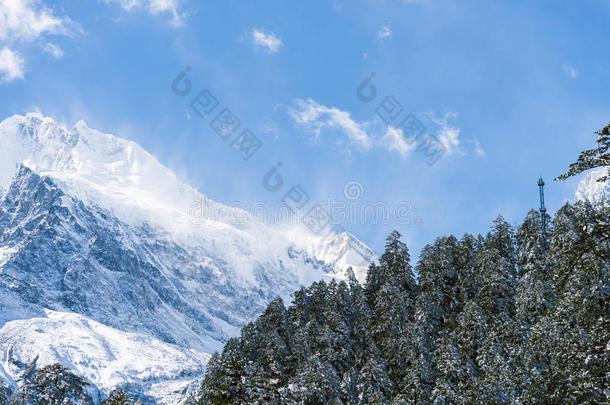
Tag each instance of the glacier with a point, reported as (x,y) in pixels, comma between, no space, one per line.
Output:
(103,270)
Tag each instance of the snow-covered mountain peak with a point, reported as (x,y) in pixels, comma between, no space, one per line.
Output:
(589,189)
(101,169)
(35,141)
(343,251)
(121,177)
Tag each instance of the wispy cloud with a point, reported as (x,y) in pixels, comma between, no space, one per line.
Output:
(447,135)
(394,140)
(27,20)
(384,32)
(266,40)
(11,65)
(23,21)
(315,117)
(53,50)
(570,71)
(154,7)
(478,150)
(318,119)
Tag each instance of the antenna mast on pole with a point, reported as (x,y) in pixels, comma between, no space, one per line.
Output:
(542,208)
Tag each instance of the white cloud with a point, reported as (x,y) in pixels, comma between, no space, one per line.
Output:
(11,65)
(316,117)
(394,140)
(154,7)
(384,32)
(27,20)
(53,50)
(447,136)
(268,41)
(478,150)
(570,71)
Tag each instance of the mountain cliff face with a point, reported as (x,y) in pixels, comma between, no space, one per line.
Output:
(99,260)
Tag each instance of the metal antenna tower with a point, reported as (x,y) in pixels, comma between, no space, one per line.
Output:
(542,207)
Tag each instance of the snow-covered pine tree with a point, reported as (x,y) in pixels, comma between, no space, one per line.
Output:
(436,309)
(592,158)
(5,394)
(211,390)
(53,385)
(465,261)
(572,339)
(534,296)
(457,357)
(534,290)
(391,300)
(496,281)
(374,385)
(368,381)
(230,388)
(267,345)
(118,397)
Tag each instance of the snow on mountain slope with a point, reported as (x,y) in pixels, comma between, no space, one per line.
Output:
(339,251)
(93,226)
(104,356)
(590,189)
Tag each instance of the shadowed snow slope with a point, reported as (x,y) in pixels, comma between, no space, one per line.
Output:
(96,245)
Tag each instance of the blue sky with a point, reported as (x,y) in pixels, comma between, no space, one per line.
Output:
(512,90)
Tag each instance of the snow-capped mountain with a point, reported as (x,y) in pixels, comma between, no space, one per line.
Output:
(100,260)
(590,189)
(340,252)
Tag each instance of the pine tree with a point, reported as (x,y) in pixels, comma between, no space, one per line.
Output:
(211,391)
(581,255)
(230,389)
(592,158)
(118,397)
(534,298)
(438,303)
(374,385)
(368,380)
(391,299)
(458,358)
(53,385)
(5,394)
(496,280)
(497,274)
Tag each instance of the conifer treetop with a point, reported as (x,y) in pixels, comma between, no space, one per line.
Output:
(592,158)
